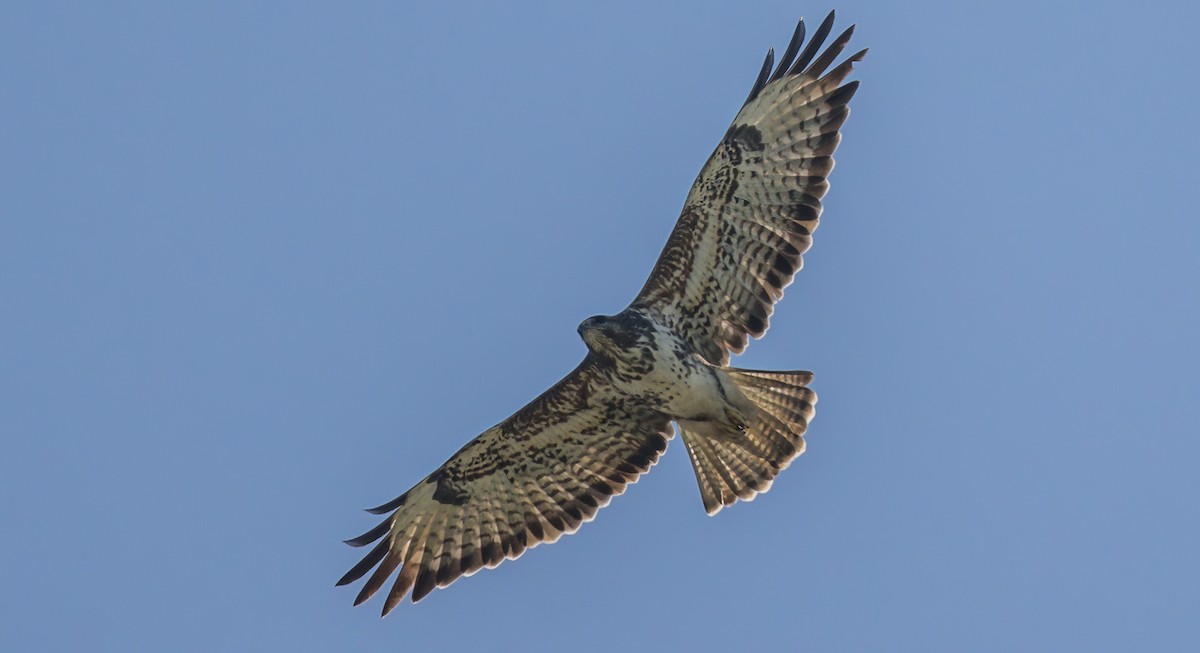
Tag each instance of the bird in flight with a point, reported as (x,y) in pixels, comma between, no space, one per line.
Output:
(738,243)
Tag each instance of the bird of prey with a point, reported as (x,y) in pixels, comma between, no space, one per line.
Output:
(548,468)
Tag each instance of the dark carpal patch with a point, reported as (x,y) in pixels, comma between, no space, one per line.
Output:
(447,491)
(740,139)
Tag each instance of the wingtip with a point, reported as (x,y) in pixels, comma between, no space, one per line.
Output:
(390,505)
(789,53)
(713,507)
(827,24)
(375,533)
(390,604)
(763,75)
(364,595)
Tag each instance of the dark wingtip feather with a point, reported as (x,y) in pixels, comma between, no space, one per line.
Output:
(390,604)
(814,45)
(812,61)
(426,583)
(785,62)
(818,67)
(843,69)
(387,608)
(389,506)
(762,76)
(364,565)
(377,579)
(371,535)
(843,94)
(399,590)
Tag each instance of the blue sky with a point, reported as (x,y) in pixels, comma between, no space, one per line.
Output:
(264,265)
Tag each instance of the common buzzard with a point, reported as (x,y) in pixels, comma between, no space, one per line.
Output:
(547,469)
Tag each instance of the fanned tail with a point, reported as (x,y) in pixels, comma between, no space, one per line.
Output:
(732,465)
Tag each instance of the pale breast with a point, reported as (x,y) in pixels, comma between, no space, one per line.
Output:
(687,386)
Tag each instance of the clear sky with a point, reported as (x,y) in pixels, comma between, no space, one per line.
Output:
(262,265)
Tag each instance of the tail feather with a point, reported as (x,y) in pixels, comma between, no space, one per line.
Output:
(732,465)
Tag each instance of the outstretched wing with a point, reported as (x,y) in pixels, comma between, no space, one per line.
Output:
(530,479)
(750,214)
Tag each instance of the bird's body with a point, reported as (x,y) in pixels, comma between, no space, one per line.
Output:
(664,360)
(652,365)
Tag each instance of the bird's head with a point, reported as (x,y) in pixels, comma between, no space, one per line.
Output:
(596,332)
(612,335)
(604,335)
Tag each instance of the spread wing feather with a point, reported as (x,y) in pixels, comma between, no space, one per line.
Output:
(752,210)
(536,476)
